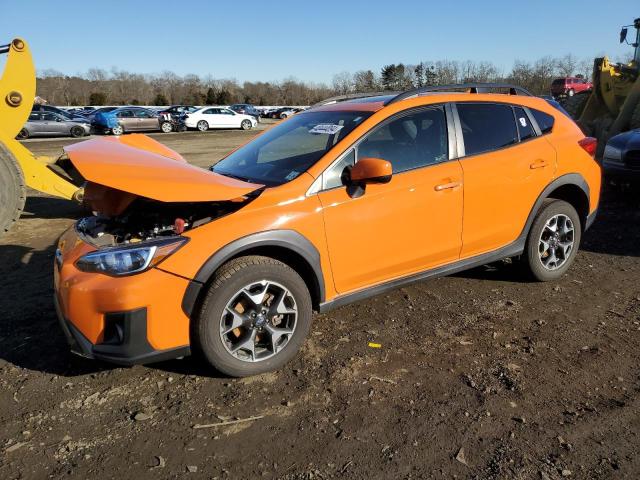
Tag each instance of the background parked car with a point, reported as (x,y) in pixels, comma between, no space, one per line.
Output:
(177,111)
(279,111)
(569,86)
(246,109)
(58,111)
(218,117)
(50,124)
(130,119)
(621,160)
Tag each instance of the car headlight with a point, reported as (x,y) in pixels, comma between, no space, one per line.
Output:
(135,258)
(612,152)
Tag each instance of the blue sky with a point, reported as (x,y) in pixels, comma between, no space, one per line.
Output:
(311,41)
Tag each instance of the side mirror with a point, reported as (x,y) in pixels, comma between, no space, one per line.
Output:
(623,34)
(371,170)
(366,170)
(58,119)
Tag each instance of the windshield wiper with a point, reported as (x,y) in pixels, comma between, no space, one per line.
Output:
(237,177)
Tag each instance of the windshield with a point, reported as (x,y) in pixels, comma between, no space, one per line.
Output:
(284,152)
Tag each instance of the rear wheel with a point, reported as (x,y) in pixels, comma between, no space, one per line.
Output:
(553,241)
(77,131)
(254,318)
(203,126)
(23,134)
(13,192)
(246,125)
(117,130)
(166,127)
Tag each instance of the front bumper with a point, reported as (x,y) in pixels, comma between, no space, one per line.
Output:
(614,170)
(125,320)
(134,348)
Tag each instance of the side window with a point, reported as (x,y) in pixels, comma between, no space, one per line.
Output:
(226,111)
(210,111)
(332,177)
(34,116)
(525,129)
(411,141)
(544,120)
(486,127)
(50,117)
(142,114)
(125,114)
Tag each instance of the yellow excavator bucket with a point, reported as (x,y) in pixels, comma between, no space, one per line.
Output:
(18,166)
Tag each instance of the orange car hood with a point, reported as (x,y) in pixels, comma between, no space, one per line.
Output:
(138,164)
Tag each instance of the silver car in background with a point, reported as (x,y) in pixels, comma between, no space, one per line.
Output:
(50,124)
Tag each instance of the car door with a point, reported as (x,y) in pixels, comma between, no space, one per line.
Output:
(506,166)
(49,124)
(127,119)
(213,117)
(229,118)
(146,120)
(408,225)
(35,124)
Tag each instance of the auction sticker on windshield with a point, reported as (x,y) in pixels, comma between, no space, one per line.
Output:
(326,128)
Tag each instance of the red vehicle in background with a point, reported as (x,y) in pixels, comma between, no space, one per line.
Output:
(569,86)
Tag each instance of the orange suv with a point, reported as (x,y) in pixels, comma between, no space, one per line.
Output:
(336,204)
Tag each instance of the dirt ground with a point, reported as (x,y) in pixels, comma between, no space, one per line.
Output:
(479,375)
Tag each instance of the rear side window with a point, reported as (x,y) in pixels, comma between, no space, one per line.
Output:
(486,127)
(544,120)
(525,129)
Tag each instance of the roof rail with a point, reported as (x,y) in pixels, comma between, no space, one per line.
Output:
(351,96)
(472,87)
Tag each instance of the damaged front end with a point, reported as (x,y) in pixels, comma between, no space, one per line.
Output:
(122,218)
(141,191)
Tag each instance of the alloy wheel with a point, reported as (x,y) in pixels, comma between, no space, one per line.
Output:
(258,321)
(556,242)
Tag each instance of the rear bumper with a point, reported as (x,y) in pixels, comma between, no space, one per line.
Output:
(132,350)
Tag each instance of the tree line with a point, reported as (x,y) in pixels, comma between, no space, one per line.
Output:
(118,87)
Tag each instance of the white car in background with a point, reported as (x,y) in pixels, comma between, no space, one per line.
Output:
(218,117)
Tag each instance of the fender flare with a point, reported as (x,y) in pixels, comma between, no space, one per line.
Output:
(288,239)
(568,179)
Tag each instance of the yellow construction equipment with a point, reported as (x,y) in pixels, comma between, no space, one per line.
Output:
(19,168)
(613,106)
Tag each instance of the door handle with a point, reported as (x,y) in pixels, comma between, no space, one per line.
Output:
(538,164)
(447,186)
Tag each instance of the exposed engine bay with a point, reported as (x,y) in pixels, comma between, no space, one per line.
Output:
(144,219)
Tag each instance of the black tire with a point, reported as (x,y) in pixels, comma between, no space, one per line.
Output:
(575,105)
(532,260)
(635,118)
(13,192)
(23,134)
(166,127)
(230,279)
(246,125)
(77,131)
(202,125)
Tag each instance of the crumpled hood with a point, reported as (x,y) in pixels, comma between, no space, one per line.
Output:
(139,165)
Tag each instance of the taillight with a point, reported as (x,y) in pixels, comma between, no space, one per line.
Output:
(589,144)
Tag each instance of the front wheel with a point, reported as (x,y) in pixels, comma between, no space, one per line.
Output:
(553,241)
(203,126)
(77,132)
(246,125)
(166,127)
(23,134)
(254,317)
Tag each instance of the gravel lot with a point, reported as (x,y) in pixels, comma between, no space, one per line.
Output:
(480,375)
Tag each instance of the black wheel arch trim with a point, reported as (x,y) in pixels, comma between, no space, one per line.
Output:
(568,179)
(287,239)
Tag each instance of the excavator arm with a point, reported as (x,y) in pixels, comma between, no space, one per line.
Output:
(19,168)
